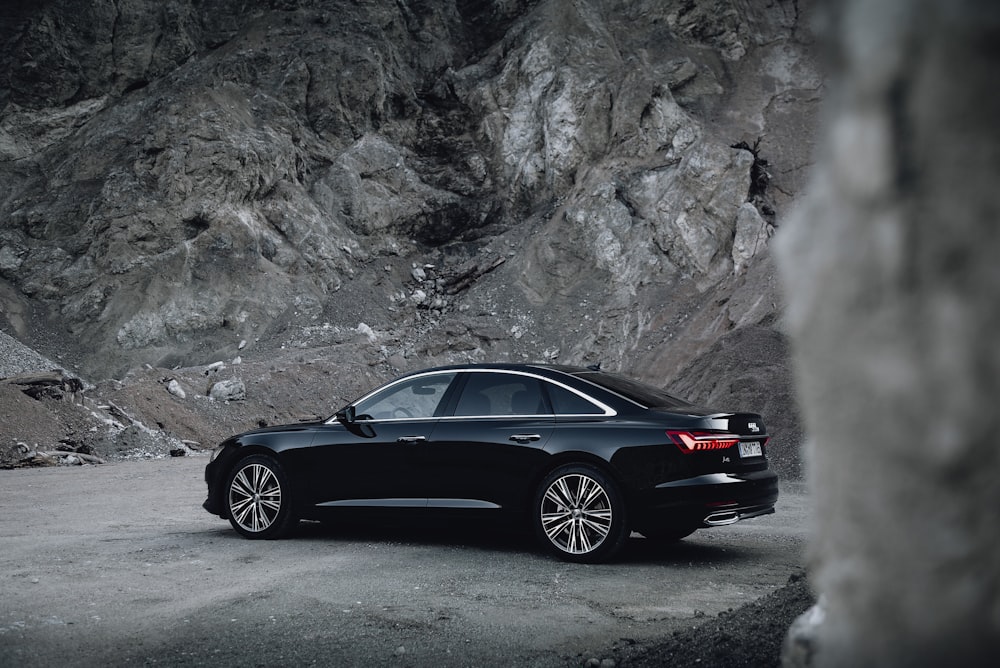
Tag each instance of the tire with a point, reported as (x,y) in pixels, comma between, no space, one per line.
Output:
(258,499)
(579,514)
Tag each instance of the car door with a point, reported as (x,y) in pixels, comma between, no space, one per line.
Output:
(483,452)
(360,460)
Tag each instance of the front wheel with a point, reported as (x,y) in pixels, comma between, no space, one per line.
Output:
(258,499)
(579,514)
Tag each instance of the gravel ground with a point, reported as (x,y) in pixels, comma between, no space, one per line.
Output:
(119,565)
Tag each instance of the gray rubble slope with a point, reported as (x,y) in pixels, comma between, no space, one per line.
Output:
(17,359)
(405,183)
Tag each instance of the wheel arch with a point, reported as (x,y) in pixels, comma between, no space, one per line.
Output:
(589,459)
(249,449)
(586,458)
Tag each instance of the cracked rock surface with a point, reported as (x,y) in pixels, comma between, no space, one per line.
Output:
(346,190)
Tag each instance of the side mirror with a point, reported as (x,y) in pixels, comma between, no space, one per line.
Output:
(346,415)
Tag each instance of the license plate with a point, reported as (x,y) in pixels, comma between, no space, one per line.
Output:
(751,449)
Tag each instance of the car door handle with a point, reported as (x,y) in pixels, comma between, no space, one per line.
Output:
(411,439)
(525,438)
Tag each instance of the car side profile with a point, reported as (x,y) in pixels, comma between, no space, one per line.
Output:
(580,456)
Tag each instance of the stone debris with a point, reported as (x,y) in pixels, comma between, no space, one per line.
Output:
(214,367)
(35,458)
(52,385)
(228,390)
(56,421)
(174,388)
(367,332)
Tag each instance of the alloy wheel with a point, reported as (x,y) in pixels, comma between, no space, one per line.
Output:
(576,513)
(255,497)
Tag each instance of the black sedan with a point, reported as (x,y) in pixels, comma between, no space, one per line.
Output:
(581,456)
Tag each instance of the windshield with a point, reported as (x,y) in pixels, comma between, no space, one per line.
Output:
(640,393)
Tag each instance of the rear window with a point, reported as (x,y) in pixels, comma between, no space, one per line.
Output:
(565,402)
(640,393)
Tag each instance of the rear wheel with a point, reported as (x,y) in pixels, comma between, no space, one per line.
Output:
(258,499)
(579,514)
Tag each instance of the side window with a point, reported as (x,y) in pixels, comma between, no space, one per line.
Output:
(413,398)
(501,394)
(570,403)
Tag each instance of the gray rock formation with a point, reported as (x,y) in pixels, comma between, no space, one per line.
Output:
(893,286)
(186,176)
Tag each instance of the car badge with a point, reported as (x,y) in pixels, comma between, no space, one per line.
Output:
(753,427)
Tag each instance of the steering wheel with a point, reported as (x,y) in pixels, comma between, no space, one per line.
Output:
(400,412)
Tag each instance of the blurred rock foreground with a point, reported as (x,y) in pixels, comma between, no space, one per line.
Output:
(892,303)
(322,194)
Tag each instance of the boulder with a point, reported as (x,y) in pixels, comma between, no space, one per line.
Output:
(228,390)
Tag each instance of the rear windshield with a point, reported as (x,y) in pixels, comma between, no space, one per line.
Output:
(640,393)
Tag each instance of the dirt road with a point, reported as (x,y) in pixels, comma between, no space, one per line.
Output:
(119,565)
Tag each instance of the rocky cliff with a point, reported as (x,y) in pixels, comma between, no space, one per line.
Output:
(410,182)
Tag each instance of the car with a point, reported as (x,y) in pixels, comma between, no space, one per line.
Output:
(580,456)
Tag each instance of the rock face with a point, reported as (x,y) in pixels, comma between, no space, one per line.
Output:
(185,176)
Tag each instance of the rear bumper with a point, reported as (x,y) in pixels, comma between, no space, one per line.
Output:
(714,499)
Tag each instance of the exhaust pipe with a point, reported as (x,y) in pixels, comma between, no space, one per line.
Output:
(722,518)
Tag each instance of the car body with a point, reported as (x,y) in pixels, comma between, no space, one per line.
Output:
(582,456)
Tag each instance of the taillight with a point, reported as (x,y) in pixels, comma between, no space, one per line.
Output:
(699,441)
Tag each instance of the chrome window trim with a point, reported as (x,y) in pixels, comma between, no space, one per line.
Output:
(606,411)
(413,419)
(537,416)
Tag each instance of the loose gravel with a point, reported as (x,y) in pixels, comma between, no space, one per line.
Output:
(16,358)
